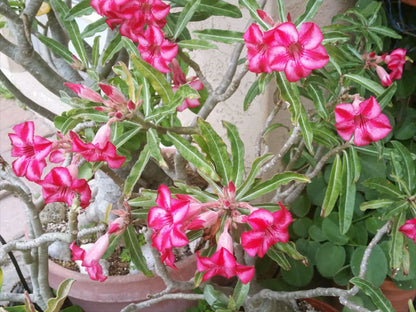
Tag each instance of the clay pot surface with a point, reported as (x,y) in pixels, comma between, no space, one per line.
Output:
(410,2)
(398,297)
(119,291)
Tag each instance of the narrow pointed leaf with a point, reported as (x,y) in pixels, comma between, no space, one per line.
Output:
(220,35)
(384,31)
(279,257)
(240,294)
(196,192)
(273,183)
(385,98)
(237,153)
(55,304)
(384,187)
(397,244)
(185,16)
(196,44)
(122,139)
(395,209)
(290,249)
(146,97)
(310,11)
(94,28)
(318,100)
(255,90)
(133,245)
(156,79)
(289,92)
(370,85)
(95,51)
(82,8)
(255,168)
(347,197)
(130,46)
(72,28)
(334,187)
(57,48)
(252,7)
(281,10)
(217,151)
(355,164)
(136,171)
(409,171)
(191,154)
(153,142)
(374,293)
(219,8)
(114,46)
(376,204)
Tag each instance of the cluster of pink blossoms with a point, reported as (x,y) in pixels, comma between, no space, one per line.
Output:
(173,217)
(141,21)
(363,119)
(284,48)
(395,62)
(61,183)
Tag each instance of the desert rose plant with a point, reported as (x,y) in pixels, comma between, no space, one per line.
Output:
(339,84)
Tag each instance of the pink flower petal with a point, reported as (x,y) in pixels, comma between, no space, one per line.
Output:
(310,36)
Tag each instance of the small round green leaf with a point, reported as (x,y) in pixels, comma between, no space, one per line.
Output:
(330,259)
(299,275)
(377,265)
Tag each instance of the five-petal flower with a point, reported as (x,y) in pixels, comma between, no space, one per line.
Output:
(363,119)
(268,229)
(31,150)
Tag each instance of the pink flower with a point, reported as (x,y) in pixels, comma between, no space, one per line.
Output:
(31,150)
(223,263)
(156,50)
(84,92)
(384,76)
(409,229)
(60,186)
(204,220)
(179,79)
(300,52)
(363,119)
(261,49)
(90,259)
(167,221)
(395,62)
(268,229)
(101,149)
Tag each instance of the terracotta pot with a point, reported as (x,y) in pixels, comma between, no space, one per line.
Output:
(410,2)
(320,305)
(118,291)
(398,297)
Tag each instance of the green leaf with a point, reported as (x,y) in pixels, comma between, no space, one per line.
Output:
(95,55)
(185,16)
(395,209)
(397,244)
(114,46)
(55,304)
(146,97)
(377,264)
(376,204)
(366,83)
(215,298)
(274,183)
(255,89)
(94,28)
(385,31)
(215,7)
(237,153)
(156,79)
(317,96)
(191,154)
(289,92)
(196,44)
(57,48)
(82,8)
(153,142)
(72,28)
(217,151)
(122,139)
(281,10)
(409,171)
(279,257)
(133,245)
(384,187)
(310,11)
(374,293)
(130,46)
(330,259)
(252,7)
(220,35)
(334,187)
(347,197)
(136,171)
(255,168)
(240,293)
(299,275)
(384,98)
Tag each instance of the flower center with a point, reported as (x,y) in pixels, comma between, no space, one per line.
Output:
(295,49)
(26,150)
(359,121)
